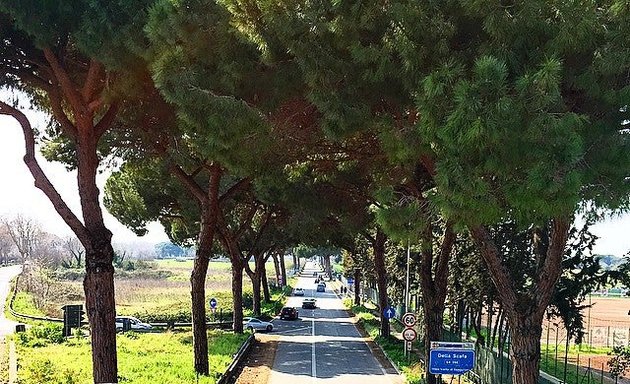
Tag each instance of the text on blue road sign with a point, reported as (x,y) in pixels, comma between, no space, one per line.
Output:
(451,361)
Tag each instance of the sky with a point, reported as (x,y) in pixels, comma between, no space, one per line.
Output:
(18,195)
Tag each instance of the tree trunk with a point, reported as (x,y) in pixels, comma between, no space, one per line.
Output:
(237,296)
(198,296)
(265,287)
(276,266)
(328,267)
(381,279)
(434,321)
(283,270)
(525,311)
(525,334)
(209,213)
(433,281)
(256,297)
(357,287)
(98,285)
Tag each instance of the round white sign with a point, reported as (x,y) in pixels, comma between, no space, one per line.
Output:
(409,334)
(409,319)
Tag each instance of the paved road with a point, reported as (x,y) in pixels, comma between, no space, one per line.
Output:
(6,274)
(323,345)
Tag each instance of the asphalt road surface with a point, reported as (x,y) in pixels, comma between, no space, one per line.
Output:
(6,274)
(323,345)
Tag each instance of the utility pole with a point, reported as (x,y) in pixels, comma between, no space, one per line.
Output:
(407,284)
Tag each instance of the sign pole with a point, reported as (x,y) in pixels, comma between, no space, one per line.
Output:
(407,285)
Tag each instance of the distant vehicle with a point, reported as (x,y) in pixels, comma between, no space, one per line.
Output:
(136,325)
(298,292)
(253,324)
(289,313)
(321,287)
(309,303)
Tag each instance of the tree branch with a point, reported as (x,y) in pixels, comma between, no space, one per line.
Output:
(106,121)
(41,180)
(552,267)
(68,88)
(92,80)
(498,272)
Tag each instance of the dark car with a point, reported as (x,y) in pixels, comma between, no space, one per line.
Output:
(289,313)
(321,287)
(309,303)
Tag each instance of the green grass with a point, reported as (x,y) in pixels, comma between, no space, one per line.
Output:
(24,303)
(142,359)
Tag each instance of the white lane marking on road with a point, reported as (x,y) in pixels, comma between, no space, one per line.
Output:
(313,361)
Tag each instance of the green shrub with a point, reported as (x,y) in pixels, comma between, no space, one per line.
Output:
(41,335)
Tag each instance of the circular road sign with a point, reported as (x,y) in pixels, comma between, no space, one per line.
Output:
(389,312)
(213,303)
(409,319)
(409,334)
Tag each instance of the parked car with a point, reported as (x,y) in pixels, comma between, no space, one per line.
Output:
(298,292)
(309,303)
(321,287)
(135,324)
(289,313)
(254,324)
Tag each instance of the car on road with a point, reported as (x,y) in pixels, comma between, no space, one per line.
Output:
(135,324)
(254,324)
(289,313)
(309,303)
(321,287)
(298,292)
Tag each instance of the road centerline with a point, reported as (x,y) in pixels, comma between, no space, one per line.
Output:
(313,358)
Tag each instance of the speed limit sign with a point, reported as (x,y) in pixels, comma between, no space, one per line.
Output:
(409,319)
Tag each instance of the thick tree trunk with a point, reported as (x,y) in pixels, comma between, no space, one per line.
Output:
(98,285)
(264,282)
(256,297)
(328,267)
(525,311)
(434,321)
(237,296)
(433,281)
(525,334)
(198,296)
(296,262)
(209,213)
(283,269)
(357,287)
(276,266)
(381,279)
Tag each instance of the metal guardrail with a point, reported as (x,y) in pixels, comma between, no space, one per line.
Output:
(228,375)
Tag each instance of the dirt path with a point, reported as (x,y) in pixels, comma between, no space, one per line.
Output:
(257,366)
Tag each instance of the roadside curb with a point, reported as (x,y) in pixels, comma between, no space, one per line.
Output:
(13,366)
(228,375)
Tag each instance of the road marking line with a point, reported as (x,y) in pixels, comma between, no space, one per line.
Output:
(313,359)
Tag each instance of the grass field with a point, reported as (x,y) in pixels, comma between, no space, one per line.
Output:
(142,359)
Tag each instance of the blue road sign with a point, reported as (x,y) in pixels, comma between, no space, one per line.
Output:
(213,303)
(447,361)
(389,312)
(350,280)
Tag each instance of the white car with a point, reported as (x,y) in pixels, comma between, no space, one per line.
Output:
(298,292)
(136,325)
(253,324)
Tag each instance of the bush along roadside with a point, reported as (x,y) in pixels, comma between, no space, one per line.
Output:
(393,347)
